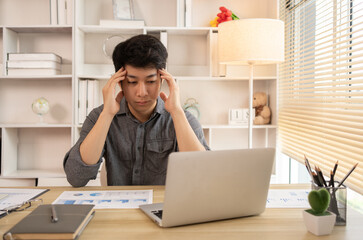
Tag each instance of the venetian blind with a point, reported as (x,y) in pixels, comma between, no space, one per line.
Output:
(321,85)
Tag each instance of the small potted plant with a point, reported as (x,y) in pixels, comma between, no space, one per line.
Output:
(318,220)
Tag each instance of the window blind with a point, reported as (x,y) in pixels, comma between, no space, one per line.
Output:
(321,85)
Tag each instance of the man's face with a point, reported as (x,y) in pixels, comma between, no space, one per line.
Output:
(141,89)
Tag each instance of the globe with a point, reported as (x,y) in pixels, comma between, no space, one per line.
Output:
(40,107)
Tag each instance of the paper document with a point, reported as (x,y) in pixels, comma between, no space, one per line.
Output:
(288,198)
(16,196)
(2,196)
(115,199)
(10,197)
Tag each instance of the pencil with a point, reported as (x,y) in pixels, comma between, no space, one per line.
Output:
(310,174)
(308,164)
(335,168)
(316,180)
(346,176)
(331,182)
(321,177)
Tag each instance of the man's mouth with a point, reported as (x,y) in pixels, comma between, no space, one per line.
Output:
(142,102)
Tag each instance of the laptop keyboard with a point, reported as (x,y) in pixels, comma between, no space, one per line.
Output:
(158,213)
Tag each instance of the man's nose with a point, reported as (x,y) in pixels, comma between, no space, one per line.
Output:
(141,90)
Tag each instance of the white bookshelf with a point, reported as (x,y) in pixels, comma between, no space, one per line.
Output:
(30,150)
(35,151)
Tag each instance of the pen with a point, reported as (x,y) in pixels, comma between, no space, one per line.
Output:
(54,214)
(346,176)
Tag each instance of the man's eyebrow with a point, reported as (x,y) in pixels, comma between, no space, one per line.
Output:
(148,76)
(130,76)
(151,75)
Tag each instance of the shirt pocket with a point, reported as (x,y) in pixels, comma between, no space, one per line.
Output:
(157,152)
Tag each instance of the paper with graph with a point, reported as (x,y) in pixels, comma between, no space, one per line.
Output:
(114,199)
(288,198)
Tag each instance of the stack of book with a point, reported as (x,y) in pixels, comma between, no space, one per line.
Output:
(25,64)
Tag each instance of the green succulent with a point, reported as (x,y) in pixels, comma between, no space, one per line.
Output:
(319,202)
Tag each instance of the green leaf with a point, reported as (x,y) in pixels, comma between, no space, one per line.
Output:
(319,200)
(234,17)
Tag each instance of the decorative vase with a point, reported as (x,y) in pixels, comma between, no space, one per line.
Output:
(319,225)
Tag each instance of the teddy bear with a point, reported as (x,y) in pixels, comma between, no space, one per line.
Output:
(262,111)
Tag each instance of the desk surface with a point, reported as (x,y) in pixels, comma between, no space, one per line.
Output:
(131,224)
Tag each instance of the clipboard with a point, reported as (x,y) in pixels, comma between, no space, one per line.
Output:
(15,197)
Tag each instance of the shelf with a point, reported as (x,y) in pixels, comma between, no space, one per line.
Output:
(187,30)
(140,30)
(183,78)
(98,77)
(41,29)
(264,126)
(207,126)
(115,30)
(187,78)
(39,77)
(34,125)
(59,173)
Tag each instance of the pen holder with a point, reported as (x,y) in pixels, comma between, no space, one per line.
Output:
(338,202)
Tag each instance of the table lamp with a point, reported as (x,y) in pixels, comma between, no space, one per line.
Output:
(255,41)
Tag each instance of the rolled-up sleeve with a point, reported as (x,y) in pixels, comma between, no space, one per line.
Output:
(79,173)
(197,128)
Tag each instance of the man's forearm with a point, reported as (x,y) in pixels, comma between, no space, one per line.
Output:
(187,140)
(91,147)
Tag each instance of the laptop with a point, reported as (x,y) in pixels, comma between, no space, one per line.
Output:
(213,185)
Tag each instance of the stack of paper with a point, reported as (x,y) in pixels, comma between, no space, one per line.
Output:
(60,12)
(88,95)
(24,64)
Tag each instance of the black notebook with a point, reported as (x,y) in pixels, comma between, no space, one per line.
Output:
(69,222)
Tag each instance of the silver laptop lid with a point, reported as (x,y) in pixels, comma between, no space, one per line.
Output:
(214,185)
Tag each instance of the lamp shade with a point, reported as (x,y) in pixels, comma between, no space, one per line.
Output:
(251,41)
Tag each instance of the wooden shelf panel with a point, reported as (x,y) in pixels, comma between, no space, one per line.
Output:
(207,126)
(39,77)
(139,30)
(41,29)
(36,173)
(116,30)
(34,125)
(183,78)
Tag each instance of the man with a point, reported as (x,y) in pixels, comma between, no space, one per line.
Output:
(136,129)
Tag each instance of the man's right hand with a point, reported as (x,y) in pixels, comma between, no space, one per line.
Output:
(111,101)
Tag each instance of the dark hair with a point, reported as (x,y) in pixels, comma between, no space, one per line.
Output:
(140,51)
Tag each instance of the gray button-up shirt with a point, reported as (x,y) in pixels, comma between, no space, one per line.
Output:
(136,153)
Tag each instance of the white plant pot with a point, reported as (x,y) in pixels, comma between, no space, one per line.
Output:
(319,225)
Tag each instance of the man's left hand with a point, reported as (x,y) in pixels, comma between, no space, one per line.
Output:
(172,102)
